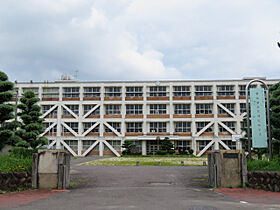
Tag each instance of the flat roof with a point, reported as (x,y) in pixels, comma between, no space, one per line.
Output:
(147,81)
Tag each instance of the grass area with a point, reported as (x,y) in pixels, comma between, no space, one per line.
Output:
(148,161)
(263,165)
(9,163)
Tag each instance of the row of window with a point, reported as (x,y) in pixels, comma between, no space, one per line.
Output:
(135,127)
(137,109)
(154,91)
(181,145)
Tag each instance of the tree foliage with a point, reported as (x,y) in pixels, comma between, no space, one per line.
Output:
(128,146)
(166,145)
(275,117)
(31,125)
(6,109)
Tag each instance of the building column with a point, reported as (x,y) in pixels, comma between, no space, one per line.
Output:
(101,148)
(80,147)
(144,147)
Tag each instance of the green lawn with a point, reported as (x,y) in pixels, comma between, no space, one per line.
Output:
(148,161)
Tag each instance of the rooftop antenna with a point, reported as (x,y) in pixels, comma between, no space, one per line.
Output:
(76,74)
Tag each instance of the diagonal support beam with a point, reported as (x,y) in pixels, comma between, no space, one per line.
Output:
(228,111)
(111,148)
(206,148)
(68,148)
(204,129)
(90,148)
(49,111)
(70,111)
(48,129)
(112,129)
(90,111)
(227,128)
(91,128)
(69,129)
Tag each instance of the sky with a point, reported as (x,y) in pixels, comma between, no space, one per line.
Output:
(139,39)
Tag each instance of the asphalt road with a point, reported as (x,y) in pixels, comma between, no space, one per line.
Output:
(144,187)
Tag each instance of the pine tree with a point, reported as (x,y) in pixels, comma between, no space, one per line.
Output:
(275,117)
(31,125)
(6,109)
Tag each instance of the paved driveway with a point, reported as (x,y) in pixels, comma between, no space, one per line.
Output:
(131,187)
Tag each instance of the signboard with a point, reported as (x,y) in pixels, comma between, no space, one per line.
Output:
(236,137)
(258,118)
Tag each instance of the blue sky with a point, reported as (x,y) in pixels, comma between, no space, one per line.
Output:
(139,39)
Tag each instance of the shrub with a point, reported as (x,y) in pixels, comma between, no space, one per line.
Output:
(263,165)
(172,151)
(190,151)
(21,152)
(161,152)
(11,163)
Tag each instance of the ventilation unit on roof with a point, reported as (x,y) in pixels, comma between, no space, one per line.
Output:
(67,77)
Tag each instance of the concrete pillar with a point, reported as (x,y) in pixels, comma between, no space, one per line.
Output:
(144,147)
(101,149)
(80,147)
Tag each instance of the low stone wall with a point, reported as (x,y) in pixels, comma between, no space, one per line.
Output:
(13,180)
(265,180)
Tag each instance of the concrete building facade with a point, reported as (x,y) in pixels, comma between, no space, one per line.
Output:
(95,118)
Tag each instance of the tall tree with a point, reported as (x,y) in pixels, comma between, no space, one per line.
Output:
(275,117)
(31,125)
(6,109)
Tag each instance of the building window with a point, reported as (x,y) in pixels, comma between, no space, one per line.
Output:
(115,125)
(158,91)
(133,127)
(91,92)
(134,109)
(87,144)
(53,129)
(230,107)
(88,125)
(225,90)
(113,92)
(73,108)
(243,124)
(73,144)
(182,127)
(203,108)
(87,108)
(230,125)
(201,125)
(158,127)
(71,92)
(242,108)
(242,90)
(116,144)
(203,90)
(46,108)
(181,91)
(134,91)
(182,145)
(50,93)
(35,90)
(113,109)
(182,109)
(157,108)
(72,125)
(202,144)
(231,144)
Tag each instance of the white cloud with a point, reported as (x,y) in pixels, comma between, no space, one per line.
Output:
(139,39)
